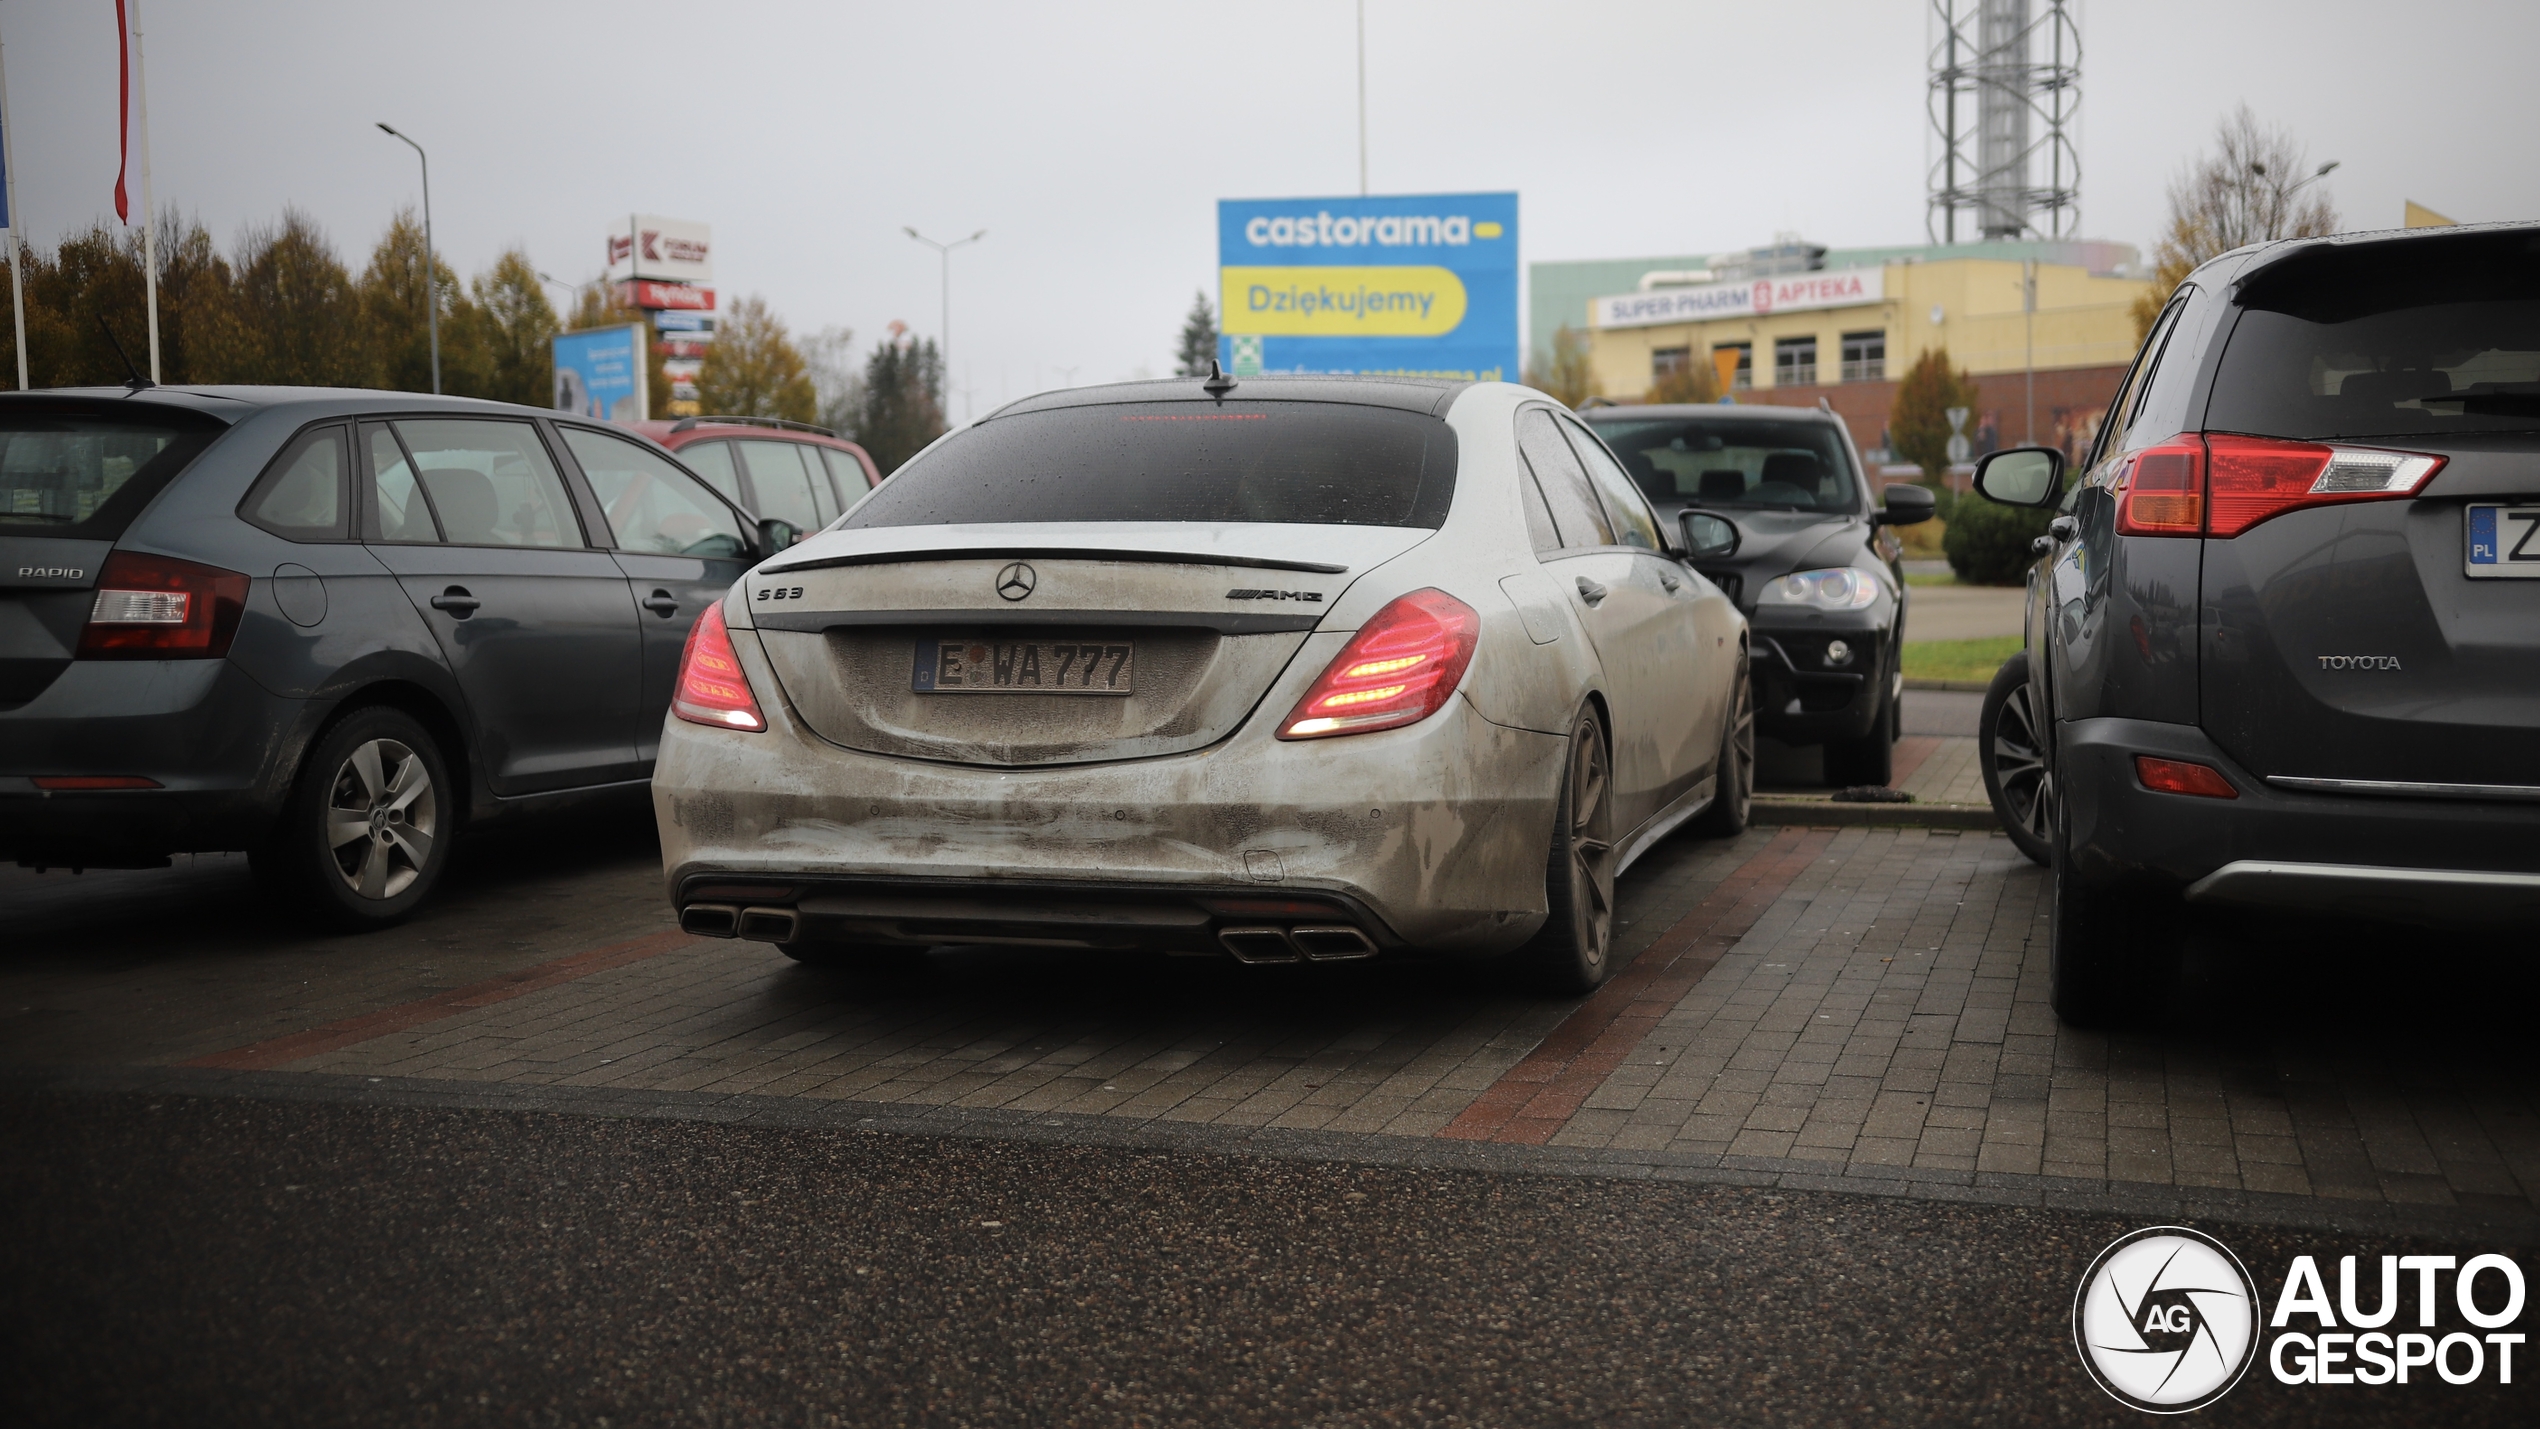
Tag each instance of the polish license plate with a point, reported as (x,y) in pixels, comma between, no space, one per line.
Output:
(1025,667)
(2504,542)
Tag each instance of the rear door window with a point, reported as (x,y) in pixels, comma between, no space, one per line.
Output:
(1563,482)
(1633,525)
(397,509)
(304,495)
(1284,462)
(848,473)
(2426,337)
(491,483)
(652,506)
(67,470)
(783,486)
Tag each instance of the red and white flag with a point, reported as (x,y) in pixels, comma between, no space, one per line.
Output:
(123,111)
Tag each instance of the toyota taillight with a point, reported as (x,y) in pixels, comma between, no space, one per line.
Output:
(1400,668)
(160,608)
(712,688)
(2222,485)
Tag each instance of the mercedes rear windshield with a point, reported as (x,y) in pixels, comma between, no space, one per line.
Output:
(84,471)
(1279,462)
(2425,337)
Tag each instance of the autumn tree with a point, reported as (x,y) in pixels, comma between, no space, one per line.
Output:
(1918,425)
(2254,187)
(1199,339)
(1565,376)
(499,345)
(753,369)
(394,296)
(837,388)
(1692,382)
(92,285)
(296,317)
(903,399)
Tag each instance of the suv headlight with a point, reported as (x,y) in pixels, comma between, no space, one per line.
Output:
(1837,588)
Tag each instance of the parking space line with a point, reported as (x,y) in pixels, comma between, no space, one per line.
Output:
(280,1051)
(1533,1100)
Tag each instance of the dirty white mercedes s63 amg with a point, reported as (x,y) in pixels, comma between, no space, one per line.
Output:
(1285,669)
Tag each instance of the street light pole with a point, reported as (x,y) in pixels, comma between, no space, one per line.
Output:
(943,340)
(431,280)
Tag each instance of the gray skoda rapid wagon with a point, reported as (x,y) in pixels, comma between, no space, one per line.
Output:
(332,628)
(2283,645)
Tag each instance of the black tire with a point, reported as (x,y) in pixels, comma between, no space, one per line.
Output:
(2012,753)
(1575,951)
(1870,759)
(2110,953)
(1733,800)
(369,826)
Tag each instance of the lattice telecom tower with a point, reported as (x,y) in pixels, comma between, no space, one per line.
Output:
(2005,88)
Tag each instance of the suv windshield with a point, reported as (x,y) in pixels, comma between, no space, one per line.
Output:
(2419,338)
(1297,463)
(77,471)
(1798,466)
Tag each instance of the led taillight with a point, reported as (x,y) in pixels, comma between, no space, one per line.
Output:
(2183,776)
(1400,668)
(2253,478)
(160,608)
(2165,490)
(712,687)
(2222,485)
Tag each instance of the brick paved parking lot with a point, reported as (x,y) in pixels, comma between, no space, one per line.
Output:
(1857,1007)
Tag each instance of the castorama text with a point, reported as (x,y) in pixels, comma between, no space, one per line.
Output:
(1405,284)
(1389,231)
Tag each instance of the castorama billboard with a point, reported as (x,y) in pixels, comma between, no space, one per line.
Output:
(1421,285)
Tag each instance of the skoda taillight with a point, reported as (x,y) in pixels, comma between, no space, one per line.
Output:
(160,608)
(2221,485)
(1400,668)
(712,687)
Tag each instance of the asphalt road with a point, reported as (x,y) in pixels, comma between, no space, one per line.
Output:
(185,1261)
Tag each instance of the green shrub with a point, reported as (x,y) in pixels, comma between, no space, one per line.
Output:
(1988,542)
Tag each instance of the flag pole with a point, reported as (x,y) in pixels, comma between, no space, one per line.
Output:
(9,213)
(149,214)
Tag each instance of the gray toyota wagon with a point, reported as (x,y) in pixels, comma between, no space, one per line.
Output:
(332,628)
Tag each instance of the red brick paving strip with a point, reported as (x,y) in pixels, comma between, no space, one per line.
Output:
(264,1056)
(1533,1100)
(1911,751)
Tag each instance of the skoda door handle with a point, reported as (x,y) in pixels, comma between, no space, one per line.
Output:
(662,603)
(1590,591)
(2061,528)
(457,602)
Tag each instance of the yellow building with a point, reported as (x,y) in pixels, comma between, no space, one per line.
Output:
(1843,335)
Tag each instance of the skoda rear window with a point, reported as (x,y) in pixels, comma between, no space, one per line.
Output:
(2430,337)
(1286,463)
(81,472)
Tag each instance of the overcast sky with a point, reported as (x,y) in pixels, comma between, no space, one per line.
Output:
(1092,141)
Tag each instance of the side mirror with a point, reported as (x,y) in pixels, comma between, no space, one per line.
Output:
(1708,537)
(775,535)
(1907,505)
(2022,476)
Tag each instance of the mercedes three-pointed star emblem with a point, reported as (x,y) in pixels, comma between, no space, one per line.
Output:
(1016,581)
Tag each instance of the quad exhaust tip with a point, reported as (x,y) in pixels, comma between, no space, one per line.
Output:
(730,920)
(1319,943)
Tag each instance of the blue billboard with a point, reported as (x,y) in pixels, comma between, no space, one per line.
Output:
(600,373)
(1407,285)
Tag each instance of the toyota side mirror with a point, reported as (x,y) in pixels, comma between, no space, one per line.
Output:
(775,535)
(2022,476)
(1907,505)
(1708,537)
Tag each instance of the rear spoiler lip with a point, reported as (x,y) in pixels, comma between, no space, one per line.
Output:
(1053,553)
(1231,622)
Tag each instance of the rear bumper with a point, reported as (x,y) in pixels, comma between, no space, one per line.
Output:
(1431,836)
(208,735)
(2414,860)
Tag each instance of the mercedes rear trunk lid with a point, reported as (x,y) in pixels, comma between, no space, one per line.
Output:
(1022,645)
(2372,621)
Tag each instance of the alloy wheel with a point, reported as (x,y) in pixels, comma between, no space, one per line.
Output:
(1591,844)
(381,818)
(2019,761)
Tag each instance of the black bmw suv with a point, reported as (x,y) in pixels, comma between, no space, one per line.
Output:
(2283,643)
(1809,561)
(331,628)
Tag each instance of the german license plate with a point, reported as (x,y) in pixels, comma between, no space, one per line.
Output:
(1025,667)
(2504,542)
